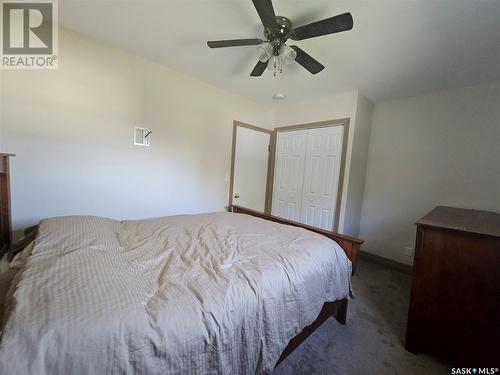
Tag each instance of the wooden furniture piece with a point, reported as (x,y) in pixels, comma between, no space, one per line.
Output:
(337,309)
(455,293)
(5,218)
(7,246)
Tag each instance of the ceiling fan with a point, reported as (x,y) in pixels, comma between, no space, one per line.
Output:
(273,53)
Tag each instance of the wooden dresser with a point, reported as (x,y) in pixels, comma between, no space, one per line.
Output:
(455,294)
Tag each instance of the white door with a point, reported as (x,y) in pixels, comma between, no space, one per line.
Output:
(307,172)
(250,168)
(321,176)
(289,174)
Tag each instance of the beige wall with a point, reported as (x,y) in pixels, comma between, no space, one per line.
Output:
(438,149)
(72,131)
(357,165)
(347,105)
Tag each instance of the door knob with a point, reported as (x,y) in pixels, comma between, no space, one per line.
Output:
(236,195)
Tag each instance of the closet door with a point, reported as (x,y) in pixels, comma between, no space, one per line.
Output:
(289,174)
(321,177)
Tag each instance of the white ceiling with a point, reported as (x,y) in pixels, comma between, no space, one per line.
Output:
(397,48)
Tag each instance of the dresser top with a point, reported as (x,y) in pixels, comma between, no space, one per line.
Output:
(474,221)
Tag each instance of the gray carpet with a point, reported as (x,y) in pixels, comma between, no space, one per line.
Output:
(372,341)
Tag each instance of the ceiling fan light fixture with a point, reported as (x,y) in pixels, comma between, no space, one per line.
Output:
(273,63)
(264,51)
(287,54)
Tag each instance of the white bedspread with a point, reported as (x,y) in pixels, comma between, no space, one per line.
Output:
(203,294)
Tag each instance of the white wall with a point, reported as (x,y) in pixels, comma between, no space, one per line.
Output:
(438,149)
(347,105)
(72,131)
(357,165)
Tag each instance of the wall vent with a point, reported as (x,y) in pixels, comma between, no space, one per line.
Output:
(142,137)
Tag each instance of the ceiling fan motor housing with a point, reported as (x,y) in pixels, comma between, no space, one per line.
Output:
(279,35)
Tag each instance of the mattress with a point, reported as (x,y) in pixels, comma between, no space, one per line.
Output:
(218,293)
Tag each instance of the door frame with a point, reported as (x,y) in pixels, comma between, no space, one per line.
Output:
(236,124)
(313,125)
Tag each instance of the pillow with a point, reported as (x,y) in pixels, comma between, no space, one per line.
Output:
(4,264)
(7,273)
(6,276)
(21,257)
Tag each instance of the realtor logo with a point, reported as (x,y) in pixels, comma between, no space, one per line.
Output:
(29,34)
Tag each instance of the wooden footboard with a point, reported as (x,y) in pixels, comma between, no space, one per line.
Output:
(350,245)
(337,309)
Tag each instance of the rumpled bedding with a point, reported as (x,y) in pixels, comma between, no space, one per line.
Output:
(218,293)
(8,272)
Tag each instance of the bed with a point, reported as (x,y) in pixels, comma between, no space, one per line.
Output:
(220,293)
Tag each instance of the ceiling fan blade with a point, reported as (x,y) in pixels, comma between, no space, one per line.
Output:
(336,24)
(259,68)
(234,43)
(266,13)
(307,61)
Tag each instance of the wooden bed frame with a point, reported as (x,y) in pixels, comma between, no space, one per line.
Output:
(5,217)
(337,309)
